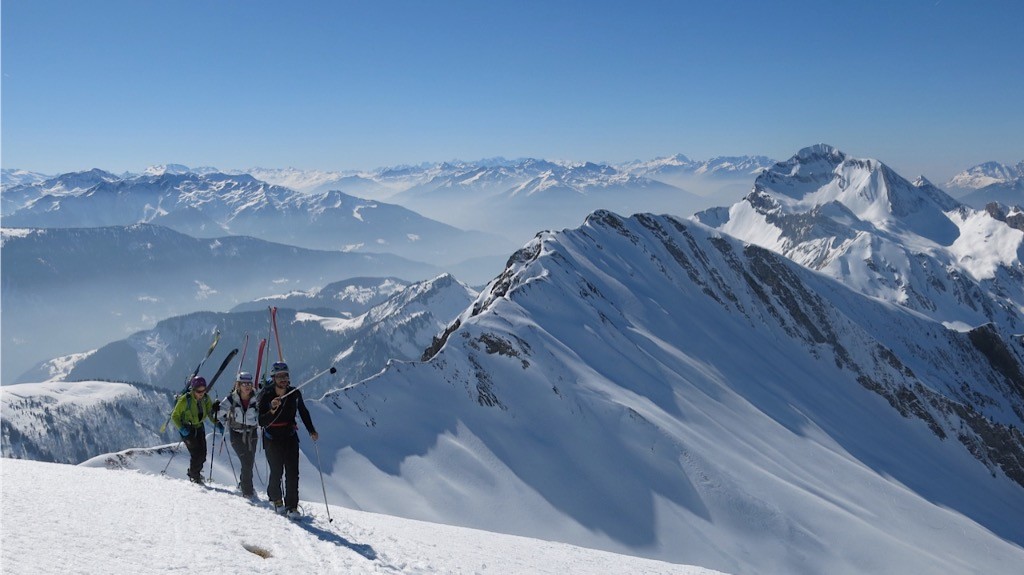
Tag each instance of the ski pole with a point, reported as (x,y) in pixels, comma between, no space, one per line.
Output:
(259,445)
(331,370)
(173,453)
(230,461)
(316,447)
(212,452)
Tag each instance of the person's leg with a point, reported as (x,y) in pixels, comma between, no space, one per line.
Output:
(291,471)
(240,442)
(196,444)
(275,460)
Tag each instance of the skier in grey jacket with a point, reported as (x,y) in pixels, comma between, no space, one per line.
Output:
(238,412)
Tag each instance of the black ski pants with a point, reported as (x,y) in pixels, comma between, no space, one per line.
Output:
(244,443)
(195,441)
(283,459)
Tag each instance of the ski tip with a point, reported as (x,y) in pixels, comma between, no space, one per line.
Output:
(334,370)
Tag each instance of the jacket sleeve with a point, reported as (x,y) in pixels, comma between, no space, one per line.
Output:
(178,413)
(208,406)
(227,407)
(265,417)
(304,413)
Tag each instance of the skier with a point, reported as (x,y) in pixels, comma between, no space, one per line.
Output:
(238,411)
(281,438)
(188,416)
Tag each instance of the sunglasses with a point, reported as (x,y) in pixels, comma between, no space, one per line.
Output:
(200,390)
(245,384)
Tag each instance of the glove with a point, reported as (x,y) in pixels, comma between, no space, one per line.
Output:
(216,406)
(184,431)
(219,426)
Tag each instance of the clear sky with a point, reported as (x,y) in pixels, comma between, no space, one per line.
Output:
(927,86)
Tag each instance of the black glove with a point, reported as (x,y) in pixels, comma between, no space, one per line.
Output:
(216,406)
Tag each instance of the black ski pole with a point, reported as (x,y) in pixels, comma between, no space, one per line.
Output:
(316,447)
(174,452)
(213,452)
(331,370)
(231,462)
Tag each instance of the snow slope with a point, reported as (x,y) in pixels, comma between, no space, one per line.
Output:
(72,519)
(72,422)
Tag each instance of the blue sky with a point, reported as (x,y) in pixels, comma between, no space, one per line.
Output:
(928,87)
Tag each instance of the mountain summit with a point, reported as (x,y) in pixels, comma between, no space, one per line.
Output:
(911,244)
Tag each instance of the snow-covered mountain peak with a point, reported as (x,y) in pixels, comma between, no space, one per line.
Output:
(922,182)
(821,174)
(162,169)
(862,223)
(734,165)
(77,181)
(14,177)
(986,174)
(443,295)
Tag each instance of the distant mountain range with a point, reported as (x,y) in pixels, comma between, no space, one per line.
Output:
(71,289)
(357,326)
(213,204)
(989,182)
(513,198)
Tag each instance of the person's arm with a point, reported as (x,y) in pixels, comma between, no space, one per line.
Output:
(226,410)
(208,406)
(266,416)
(304,414)
(179,412)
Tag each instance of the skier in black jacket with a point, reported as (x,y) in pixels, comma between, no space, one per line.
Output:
(277,408)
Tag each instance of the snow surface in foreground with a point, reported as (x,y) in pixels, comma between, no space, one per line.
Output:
(71,519)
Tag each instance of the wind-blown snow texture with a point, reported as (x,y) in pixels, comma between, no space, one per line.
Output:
(66,519)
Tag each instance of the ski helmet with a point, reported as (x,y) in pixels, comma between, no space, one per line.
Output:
(244,377)
(197,382)
(278,367)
